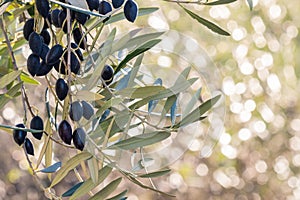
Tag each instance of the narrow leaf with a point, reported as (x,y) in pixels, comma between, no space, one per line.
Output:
(51,168)
(85,95)
(93,169)
(118,196)
(173,112)
(168,105)
(206,23)
(72,190)
(8,78)
(140,92)
(192,102)
(219,2)
(5,98)
(155,174)
(139,50)
(89,185)
(141,140)
(28,80)
(107,190)
(70,164)
(134,71)
(199,111)
(152,103)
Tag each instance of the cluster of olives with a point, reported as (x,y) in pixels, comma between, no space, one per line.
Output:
(20,136)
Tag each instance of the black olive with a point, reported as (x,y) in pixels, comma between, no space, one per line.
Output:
(28,28)
(42,7)
(37,124)
(44,69)
(104,7)
(107,74)
(77,36)
(76,111)
(130,10)
(54,17)
(65,132)
(29,147)
(77,51)
(81,17)
(33,64)
(19,135)
(35,43)
(79,138)
(46,36)
(93,4)
(117,3)
(54,54)
(88,110)
(61,89)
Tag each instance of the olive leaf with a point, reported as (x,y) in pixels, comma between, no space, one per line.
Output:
(219,2)
(107,190)
(155,174)
(8,78)
(71,191)
(51,168)
(250,4)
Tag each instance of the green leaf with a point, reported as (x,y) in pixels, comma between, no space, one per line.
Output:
(93,169)
(140,92)
(107,190)
(219,2)
(118,196)
(89,185)
(143,38)
(196,114)
(8,78)
(29,80)
(173,112)
(4,98)
(70,164)
(192,102)
(155,174)
(168,104)
(206,23)
(135,69)
(139,50)
(51,168)
(72,190)
(141,140)
(142,11)
(250,4)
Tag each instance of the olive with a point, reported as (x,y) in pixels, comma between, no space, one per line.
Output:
(79,138)
(28,28)
(33,64)
(42,7)
(62,20)
(93,4)
(35,43)
(54,17)
(37,124)
(77,36)
(77,51)
(65,132)
(60,67)
(19,135)
(76,111)
(88,110)
(29,147)
(44,69)
(130,10)
(117,3)
(61,89)
(45,50)
(75,64)
(81,17)
(54,54)
(107,74)
(46,36)
(104,7)
(49,20)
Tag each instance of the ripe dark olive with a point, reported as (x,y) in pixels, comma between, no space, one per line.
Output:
(19,135)
(88,110)
(33,64)
(45,23)
(107,74)
(44,69)
(77,51)
(93,4)
(75,64)
(104,7)
(54,54)
(81,17)
(130,10)
(62,20)
(61,89)
(28,28)
(65,132)
(76,111)
(37,124)
(79,138)
(46,36)
(35,43)
(42,7)
(117,3)
(29,147)
(77,36)
(60,67)
(54,17)
(45,50)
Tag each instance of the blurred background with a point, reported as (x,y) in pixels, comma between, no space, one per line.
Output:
(258,153)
